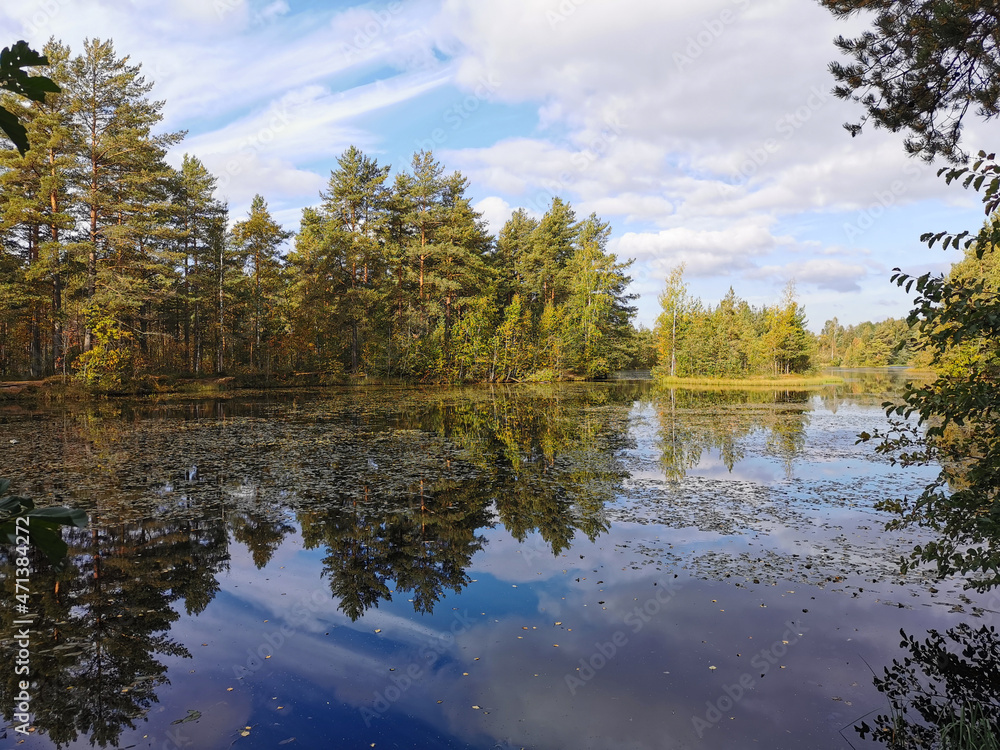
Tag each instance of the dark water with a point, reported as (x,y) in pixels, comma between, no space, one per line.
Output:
(565,566)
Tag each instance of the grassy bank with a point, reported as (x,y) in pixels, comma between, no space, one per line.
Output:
(793,381)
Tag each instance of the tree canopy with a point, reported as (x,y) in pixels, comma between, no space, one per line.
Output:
(14,79)
(921,68)
(952,422)
(731,340)
(122,268)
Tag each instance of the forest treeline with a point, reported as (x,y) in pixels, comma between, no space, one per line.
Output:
(731,340)
(737,340)
(117,265)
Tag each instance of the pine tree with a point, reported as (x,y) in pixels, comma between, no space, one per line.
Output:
(460,271)
(121,174)
(36,201)
(791,343)
(421,197)
(921,68)
(597,307)
(551,248)
(514,243)
(197,214)
(258,238)
(315,278)
(355,214)
(446,246)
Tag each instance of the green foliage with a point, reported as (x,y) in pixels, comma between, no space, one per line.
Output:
(642,349)
(257,239)
(596,312)
(883,344)
(921,68)
(951,681)
(405,281)
(958,323)
(733,340)
(199,222)
(20,518)
(16,80)
(112,364)
(116,265)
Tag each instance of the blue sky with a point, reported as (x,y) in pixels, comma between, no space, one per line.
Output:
(703,131)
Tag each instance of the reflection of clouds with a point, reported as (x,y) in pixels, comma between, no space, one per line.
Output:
(757,470)
(645,696)
(221,713)
(647,693)
(297,571)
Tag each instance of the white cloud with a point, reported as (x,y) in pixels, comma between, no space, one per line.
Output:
(496,211)
(824,273)
(694,128)
(254,173)
(703,252)
(273,11)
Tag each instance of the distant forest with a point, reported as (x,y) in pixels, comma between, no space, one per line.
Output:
(117,267)
(737,340)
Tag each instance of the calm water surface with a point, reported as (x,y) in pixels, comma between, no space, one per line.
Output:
(569,566)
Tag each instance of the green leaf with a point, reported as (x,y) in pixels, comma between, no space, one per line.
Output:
(12,78)
(14,130)
(16,80)
(13,505)
(62,516)
(19,55)
(49,541)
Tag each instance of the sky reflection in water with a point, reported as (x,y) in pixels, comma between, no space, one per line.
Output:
(587,566)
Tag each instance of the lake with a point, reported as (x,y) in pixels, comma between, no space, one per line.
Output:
(586,565)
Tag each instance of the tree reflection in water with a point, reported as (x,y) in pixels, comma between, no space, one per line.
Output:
(102,622)
(531,461)
(394,494)
(945,693)
(694,421)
